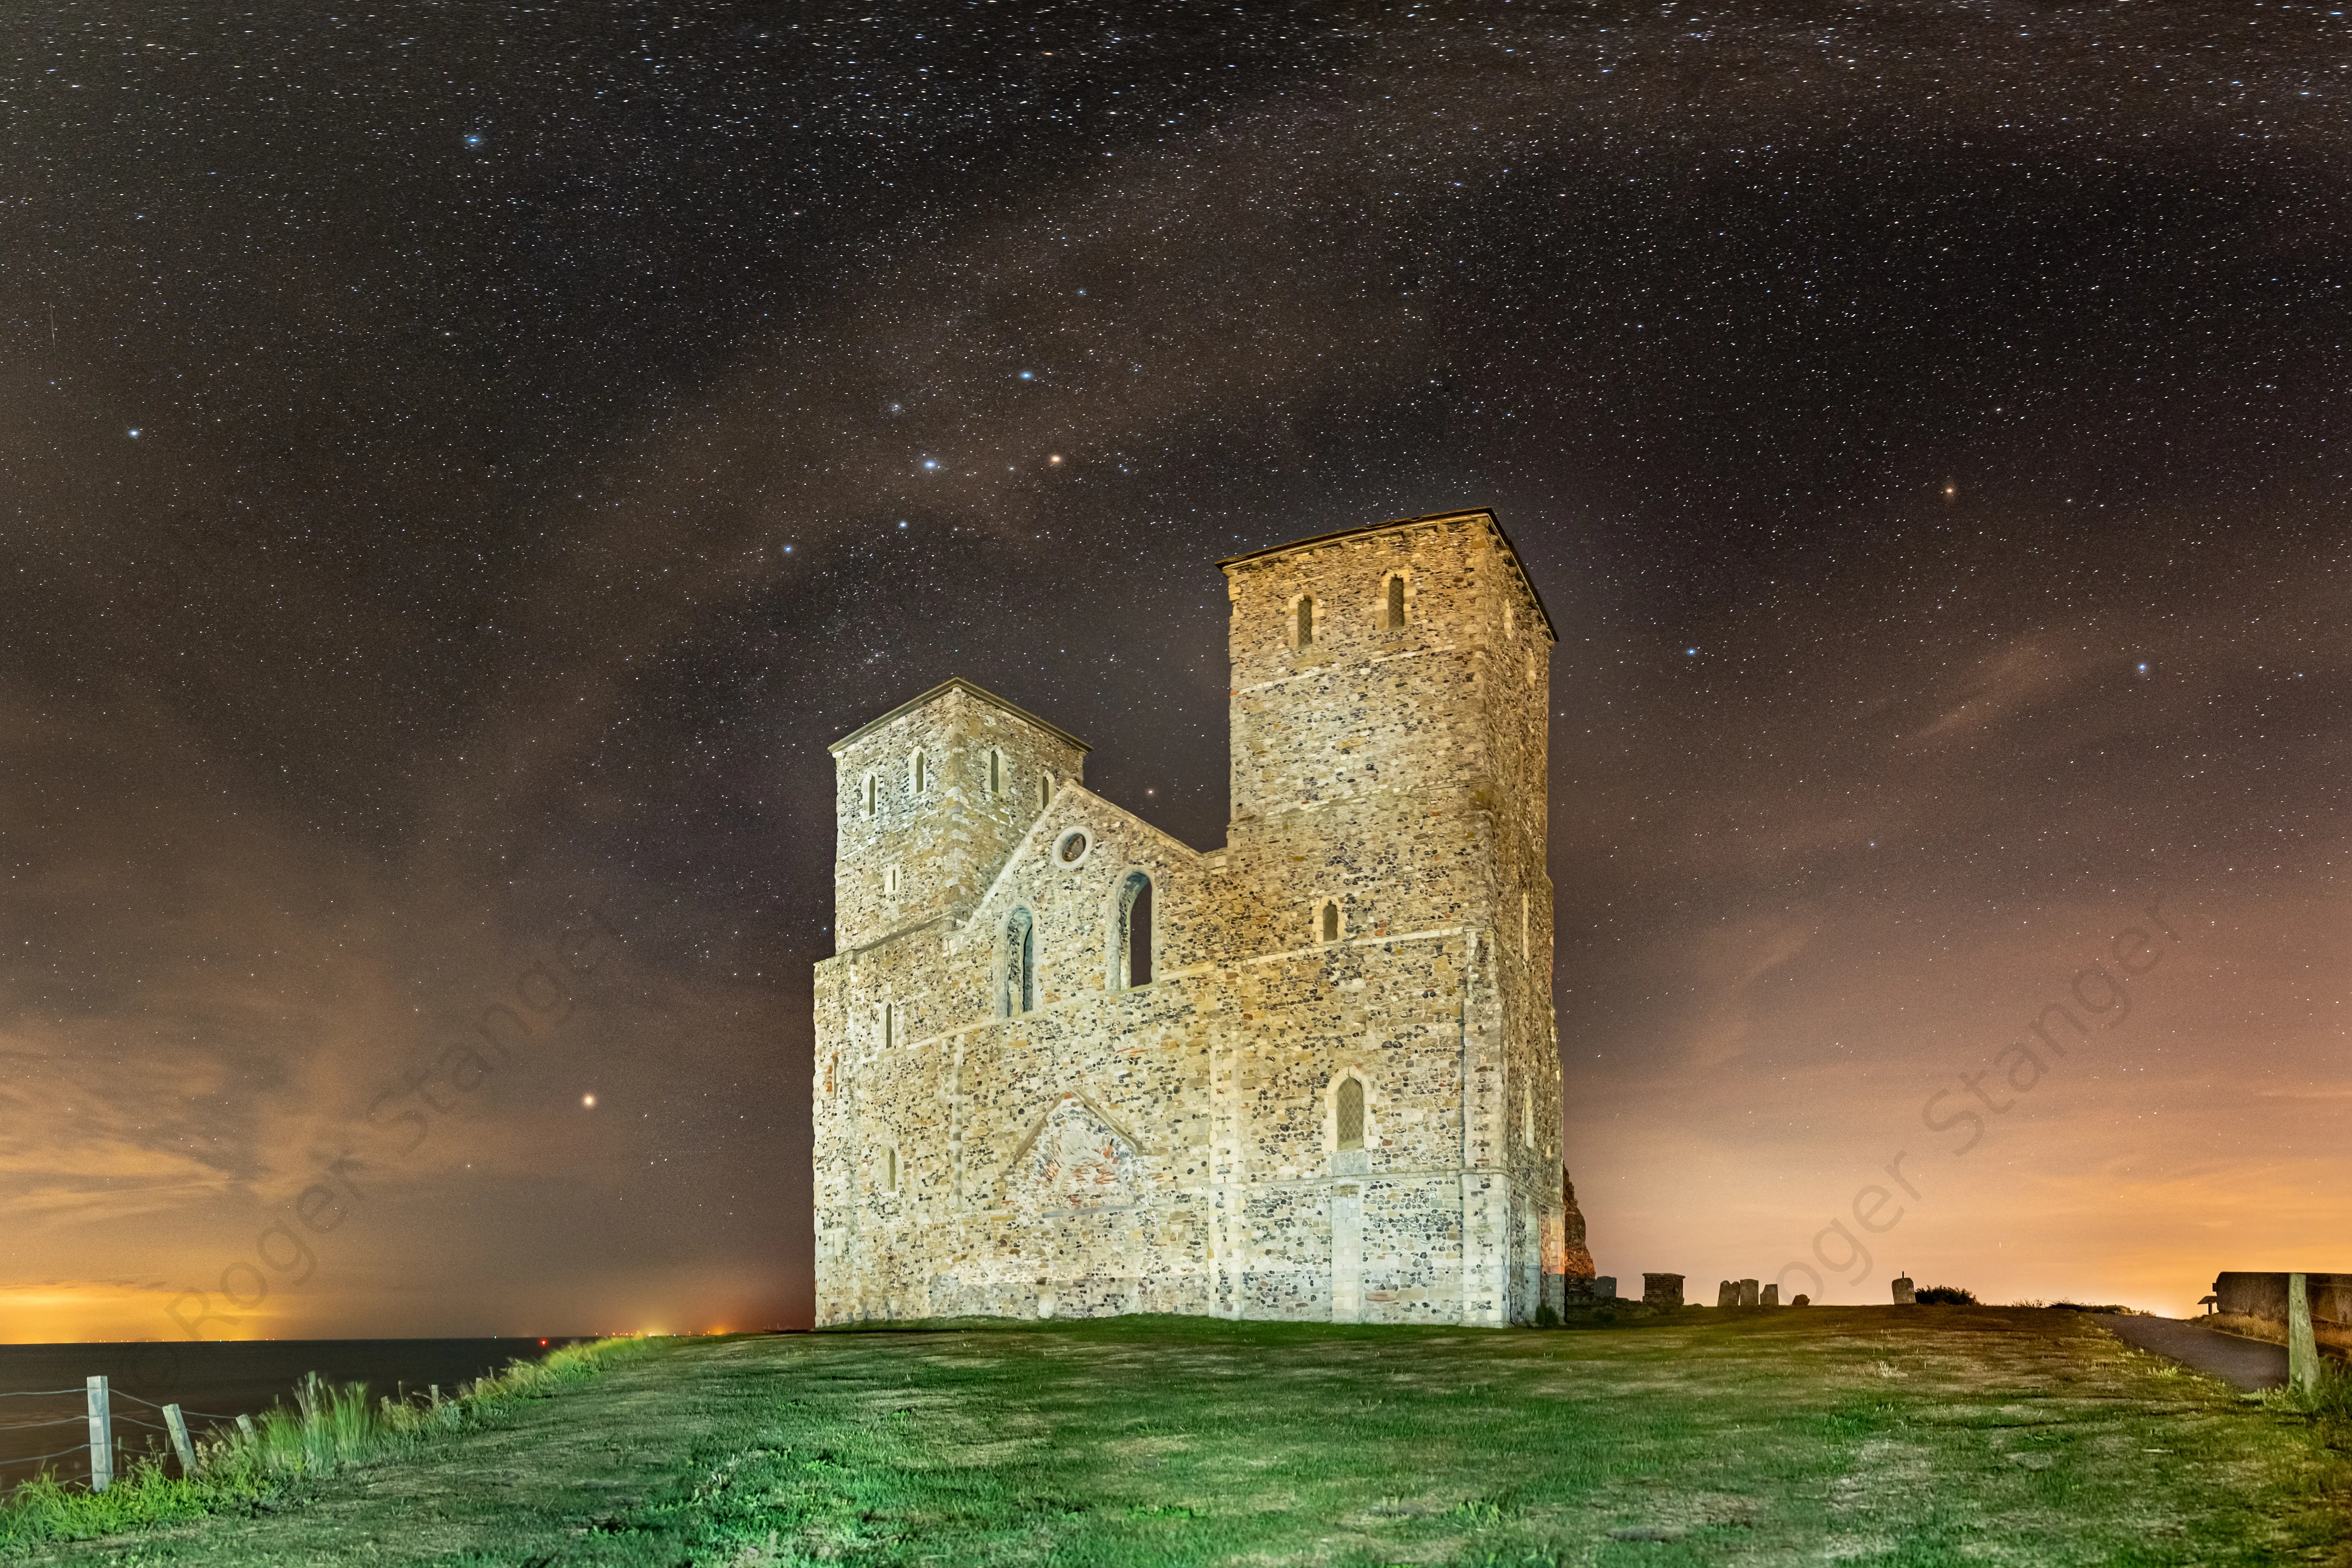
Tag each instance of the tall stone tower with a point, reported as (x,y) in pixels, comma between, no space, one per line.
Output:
(929,800)
(1068,1065)
(1389,719)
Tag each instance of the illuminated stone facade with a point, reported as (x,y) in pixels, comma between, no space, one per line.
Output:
(1068,1065)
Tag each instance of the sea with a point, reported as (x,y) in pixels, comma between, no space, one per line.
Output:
(44,1408)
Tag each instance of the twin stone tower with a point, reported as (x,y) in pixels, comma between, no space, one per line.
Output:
(1068,1066)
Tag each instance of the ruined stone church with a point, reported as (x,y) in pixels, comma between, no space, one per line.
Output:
(1067,1064)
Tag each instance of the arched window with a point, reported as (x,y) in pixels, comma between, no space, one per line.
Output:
(866,793)
(1347,1108)
(918,772)
(1328,920)
(1134,962)
(1306,620)
(1020,965)
(995,770)
(1396,603)
(891,1168)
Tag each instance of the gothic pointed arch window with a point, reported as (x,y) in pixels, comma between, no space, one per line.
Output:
(995,770)
(1132,961)
(1347,1113)
(865,795)
(1394,618)
(1020,985)
(918,772)
(1327,921)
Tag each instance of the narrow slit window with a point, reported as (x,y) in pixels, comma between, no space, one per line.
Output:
(889,1170)
(1526,1117)
(1045,790)
(995,770)
(1396,603)
(1020,965)
(889,1025)
(1330,919)
(1306,620)
(866,793)
(918,772)
(1134,966)
(1349,1108)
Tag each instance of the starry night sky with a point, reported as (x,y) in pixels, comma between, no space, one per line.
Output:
(460,465)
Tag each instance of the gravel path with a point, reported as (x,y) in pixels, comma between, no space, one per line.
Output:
(2247,1364)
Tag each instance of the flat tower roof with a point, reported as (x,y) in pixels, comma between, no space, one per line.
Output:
(958,683)
(1510,552)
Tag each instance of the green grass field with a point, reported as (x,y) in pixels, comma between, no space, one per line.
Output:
(1849,1435)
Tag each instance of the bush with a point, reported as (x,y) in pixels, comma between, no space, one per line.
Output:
(1946,1296)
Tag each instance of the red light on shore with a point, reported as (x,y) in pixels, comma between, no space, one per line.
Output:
(542,1342)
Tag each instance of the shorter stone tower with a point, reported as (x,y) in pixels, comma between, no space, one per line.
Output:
(1066,1064)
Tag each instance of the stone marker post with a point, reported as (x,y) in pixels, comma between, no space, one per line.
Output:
(175,1423)
(2302,1347)
(1748,1296)
(1663,1291)
(1906,1293)
(1727,1294)
(1772,1294)
(102,1432)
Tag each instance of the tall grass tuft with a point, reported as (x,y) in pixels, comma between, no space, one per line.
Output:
(2330,1399)
(328,1429)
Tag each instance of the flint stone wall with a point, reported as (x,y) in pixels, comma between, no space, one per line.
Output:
(1174,1146)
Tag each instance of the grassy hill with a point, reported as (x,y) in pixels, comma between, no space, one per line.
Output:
(1862,1434)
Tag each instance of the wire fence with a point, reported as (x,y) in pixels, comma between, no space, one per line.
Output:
(202,1414)
(117,1418)
(37,1459)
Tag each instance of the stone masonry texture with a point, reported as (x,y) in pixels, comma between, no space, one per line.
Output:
(1336,1097)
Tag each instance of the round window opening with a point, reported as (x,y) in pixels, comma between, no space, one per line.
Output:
(1074,846)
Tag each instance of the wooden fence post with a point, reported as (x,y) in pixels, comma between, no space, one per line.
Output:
(176,1423)
(2302,1347)
(101,1435)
